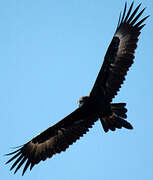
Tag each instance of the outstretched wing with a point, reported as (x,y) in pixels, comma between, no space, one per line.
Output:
(120,54)
(53,140)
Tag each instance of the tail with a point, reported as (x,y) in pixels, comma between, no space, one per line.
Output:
(116,119)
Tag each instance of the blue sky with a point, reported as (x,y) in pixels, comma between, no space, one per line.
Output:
(51,52)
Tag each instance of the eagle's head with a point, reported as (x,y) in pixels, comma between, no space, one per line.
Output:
(82,100)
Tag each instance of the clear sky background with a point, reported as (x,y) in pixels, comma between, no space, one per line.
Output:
(51,52)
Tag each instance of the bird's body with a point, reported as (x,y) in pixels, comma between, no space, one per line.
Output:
(98,105)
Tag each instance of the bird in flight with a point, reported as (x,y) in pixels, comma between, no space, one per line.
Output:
(98,105)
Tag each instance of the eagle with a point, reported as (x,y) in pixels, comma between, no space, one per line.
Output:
(97,105)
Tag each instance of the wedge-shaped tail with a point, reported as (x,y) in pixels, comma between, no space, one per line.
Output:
(116,119)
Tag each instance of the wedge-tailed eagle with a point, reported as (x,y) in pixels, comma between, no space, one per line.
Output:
(98,105)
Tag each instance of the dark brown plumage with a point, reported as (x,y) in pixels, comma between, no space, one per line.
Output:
(119,57)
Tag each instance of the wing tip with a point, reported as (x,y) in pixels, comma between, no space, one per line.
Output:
(130,19)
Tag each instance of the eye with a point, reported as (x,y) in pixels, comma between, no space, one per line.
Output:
(80,103)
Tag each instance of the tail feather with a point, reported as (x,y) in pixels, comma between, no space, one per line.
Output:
(116,119)
(119,109)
